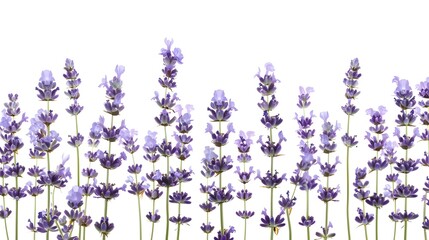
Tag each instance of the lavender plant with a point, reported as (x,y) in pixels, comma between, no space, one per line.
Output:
(307,149)
(376,143)
(220,111)
(243,144)
(183,149)
(267,88)
(423,88)
(108,160)
(405,99)
(328,193)
(205,188)
(351,82)
(167,103)
(9,127)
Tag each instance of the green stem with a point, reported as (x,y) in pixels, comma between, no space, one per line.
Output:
(308,212)
(348,182)
(138,202)
(4,205)
(288,223)
(424,215)
(271,189)
(153,204)
(16,219)
(364,226)
(179,205)
(376,209)
(167,207)
(220,182)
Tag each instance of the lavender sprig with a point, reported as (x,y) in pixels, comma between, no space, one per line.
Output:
(376,143)
(41,135)
(220,111)
(328,146)
(183,149)
(113,106)
(267,88)
(171,57)
(305,132)
(243,145)
(207,206)
(351,82)
(423,88)
(405,99)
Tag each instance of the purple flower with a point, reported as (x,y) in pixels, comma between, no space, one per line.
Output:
(304,97)
(244,176)
(153,194)
(220,107)
(180,220)
(271,121)
(267,82)
(271,222)
(47,87)
(207,228)
(153,217)
(74,197)
(287,203)
(220,139)
(425,224)
(245,214)
(4,212)
(104,226)
(137,188)
(327,194)
(225,234)
(405,191)
(268,106)
(376,164)
(400,217)
(307,182)
(221,195)
(108,191)
(307,221)
(364,219)
(207,207)
(361,194)
(244,195)
(377,201)
(219,166)
(180,197)
(270,180)
(406,166)
(327,169)
(108,161)
(404,94)
(325,232)
(271,148)
(85,221)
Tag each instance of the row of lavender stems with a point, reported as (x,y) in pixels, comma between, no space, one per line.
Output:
(65,224)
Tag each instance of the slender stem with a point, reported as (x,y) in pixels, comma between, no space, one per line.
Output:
(326,215)
(348,182)
(288,212)
(376,209)
(179,204)
(49,169)
(153,204)
(167,207)
(364,226)
(16,219)
(4,205)
(308,212)
(138,201)
(220,181)
(271,189)
(424,215)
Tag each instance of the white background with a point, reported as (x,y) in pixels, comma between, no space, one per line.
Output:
(224,43)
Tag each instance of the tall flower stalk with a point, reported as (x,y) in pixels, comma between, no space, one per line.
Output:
(220,111)
(243,145)
(109,132)
(183,150)
(152,156)
(267,88)
(205,188)
(47,140)
(351,82)
(136,187)
(376,143)
(405,99)
(307,183)
(328,193)
(167,103)
(9,127)
(423,88)
(363,218)
(73,82)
